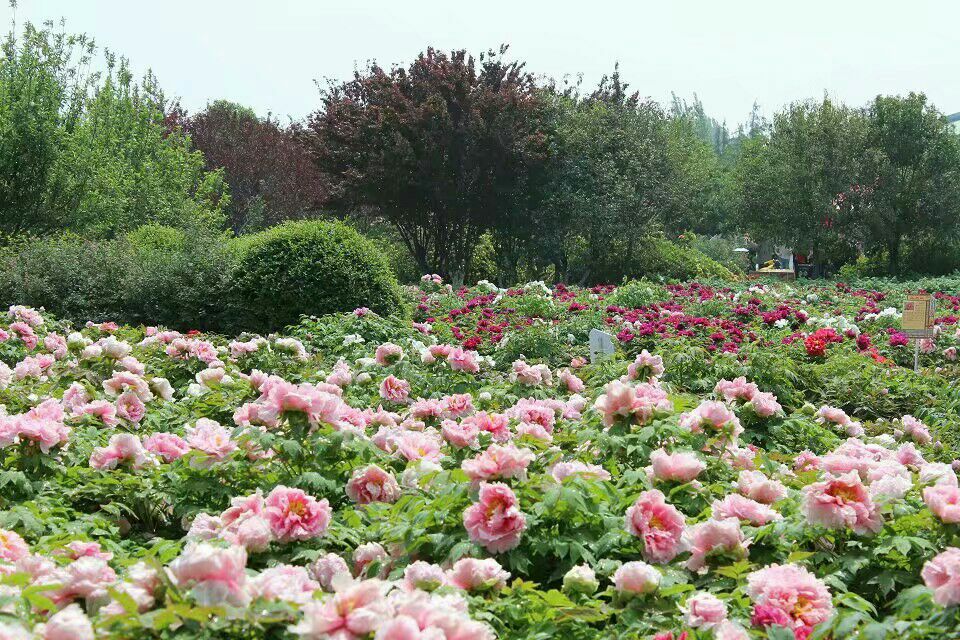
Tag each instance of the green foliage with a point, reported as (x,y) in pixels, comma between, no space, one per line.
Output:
(310,268)
(91,152)
(787,182)
(541,342)
(173,277)
(633,294)
(391,246)
(660,258)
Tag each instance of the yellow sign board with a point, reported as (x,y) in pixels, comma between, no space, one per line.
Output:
(918,313)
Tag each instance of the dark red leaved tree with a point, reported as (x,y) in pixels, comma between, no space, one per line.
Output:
(442,149)
(271,176)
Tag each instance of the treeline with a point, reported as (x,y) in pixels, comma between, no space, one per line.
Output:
(473,167)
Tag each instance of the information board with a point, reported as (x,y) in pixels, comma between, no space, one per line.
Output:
(918,315)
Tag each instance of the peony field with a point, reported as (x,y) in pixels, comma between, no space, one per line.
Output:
(753,460)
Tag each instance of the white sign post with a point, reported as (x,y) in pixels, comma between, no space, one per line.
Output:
(601,345)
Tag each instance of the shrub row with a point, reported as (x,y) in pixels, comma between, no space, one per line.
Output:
(197,279)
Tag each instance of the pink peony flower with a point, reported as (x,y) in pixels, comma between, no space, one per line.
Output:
(744,509)
(80,549)
(677,467)
(705,610)
(495,521)
(372,484)
(130,407)
(716,537)
(463,360)
(42,425)
(294,515)
(499,462)
(736,389)
(472,574)
(645,367)
(355,611)
(369,553)
(168,446)
(419,445)
(75,396)
(727,630)
(907,454)
(457,405)
(659,524)
(563,470)
(423,575)
(123,447)
(791,594)
(636,578)
(393,389)
(105,411)
(757,486)
(341,375)
(496,424)
(88,577)
(841,502)
(806,461)
(461,435)
(765,615)
(214,575)
(70,623)
(570,380)
(713,415)
(388,353)
(640,403)
(245,523)
(944,501)
(210,438)
(12,546)
(942,575)
(765,404)
(833,415)
(327,567)
(284,582)
(916,430)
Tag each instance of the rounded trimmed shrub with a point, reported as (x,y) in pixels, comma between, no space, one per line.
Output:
(310,267)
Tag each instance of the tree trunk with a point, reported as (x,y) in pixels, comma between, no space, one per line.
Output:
(893,256)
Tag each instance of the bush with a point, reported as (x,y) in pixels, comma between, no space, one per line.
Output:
(154,275)
(634,294)
(309,268)
(178,278)
(660,258)
(72,277)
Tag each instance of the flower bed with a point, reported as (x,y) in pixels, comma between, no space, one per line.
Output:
(753,462)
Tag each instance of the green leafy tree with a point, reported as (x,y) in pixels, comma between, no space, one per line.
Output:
(787,182)
(41,97)
(910,186)
(91,152)
(611,183)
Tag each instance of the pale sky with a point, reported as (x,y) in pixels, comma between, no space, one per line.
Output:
(267,53)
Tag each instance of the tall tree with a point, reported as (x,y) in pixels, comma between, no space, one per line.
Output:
(787,182)
(611,183)
(89,151)
(42,93)
(271,175)
(910,184)
(442,149)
